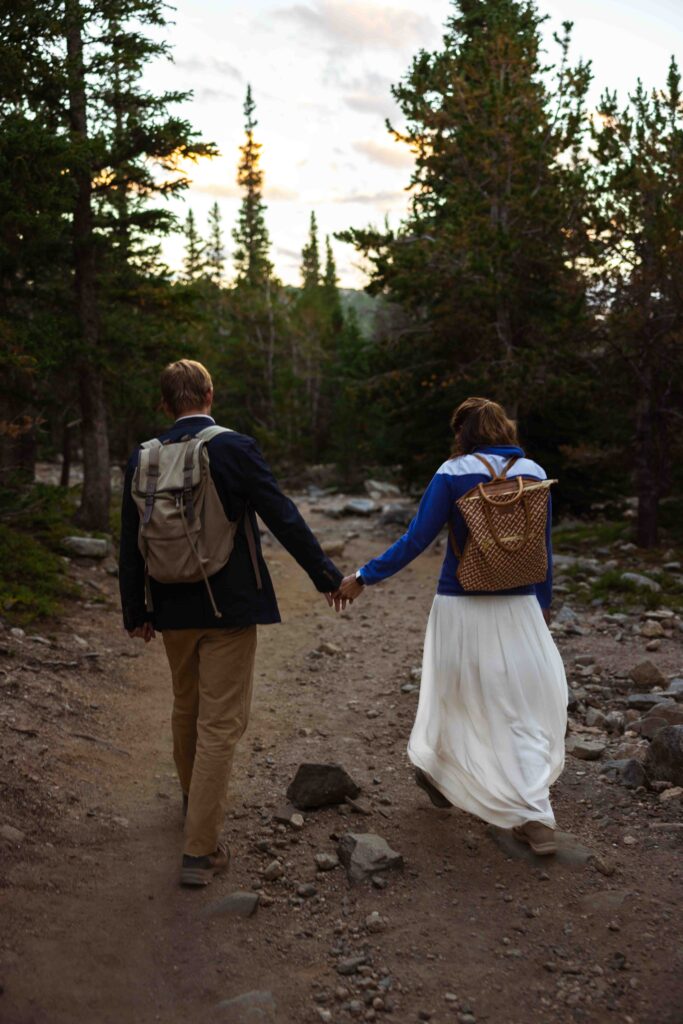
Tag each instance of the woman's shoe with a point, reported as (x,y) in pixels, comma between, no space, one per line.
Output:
(200,870)
(434,794)
(541,838)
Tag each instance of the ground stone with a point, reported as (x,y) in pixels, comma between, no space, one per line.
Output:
(237,904)
(11,834)
(382,488)
(675,690)
(664,759)
(273,871)
(595,717)
(359,507)
(674,793)
(394,514)
(321,785)
(570,852)
(364,854)
(652,629)
(628,771)
(87,547)
(249,1008)
(641,581)
(585,749)
(333,548)
(326,861)
(645,673)
(647,701)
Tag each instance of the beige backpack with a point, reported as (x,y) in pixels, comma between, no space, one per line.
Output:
(507,521)
(185,535)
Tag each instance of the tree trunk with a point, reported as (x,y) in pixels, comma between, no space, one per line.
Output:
(94,510)
(648,484)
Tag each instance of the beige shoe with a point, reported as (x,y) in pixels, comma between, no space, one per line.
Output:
(541,838)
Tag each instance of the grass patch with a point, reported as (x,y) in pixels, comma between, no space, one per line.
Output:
(618,592)
(598,533)
(33,579)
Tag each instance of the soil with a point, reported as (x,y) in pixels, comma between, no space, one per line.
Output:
(96,930)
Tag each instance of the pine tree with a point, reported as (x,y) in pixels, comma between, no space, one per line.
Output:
(639,227)
(194,262)
(310,257)
(483,274)
(251,237)
(215,252)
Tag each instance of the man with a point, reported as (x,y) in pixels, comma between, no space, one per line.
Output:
(211,658)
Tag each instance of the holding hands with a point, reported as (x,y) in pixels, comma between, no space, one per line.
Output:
(349,589)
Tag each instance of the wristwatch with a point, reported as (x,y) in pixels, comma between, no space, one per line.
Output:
(359,578)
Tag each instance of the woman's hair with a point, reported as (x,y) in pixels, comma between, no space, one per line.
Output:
(184,385)
(478,422)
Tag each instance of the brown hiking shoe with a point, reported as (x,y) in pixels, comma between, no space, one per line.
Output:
(198,871)
(541,838)
(434,794)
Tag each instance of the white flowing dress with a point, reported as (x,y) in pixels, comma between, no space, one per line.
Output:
(492,713)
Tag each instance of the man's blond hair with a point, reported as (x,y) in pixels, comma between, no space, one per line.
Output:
(184,386)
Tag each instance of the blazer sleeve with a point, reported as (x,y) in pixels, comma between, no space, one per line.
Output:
(131,564)
(284,520)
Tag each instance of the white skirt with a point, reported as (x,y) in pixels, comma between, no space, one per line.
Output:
(492,713)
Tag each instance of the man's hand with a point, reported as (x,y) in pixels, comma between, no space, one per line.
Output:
(145,632)
(350,588)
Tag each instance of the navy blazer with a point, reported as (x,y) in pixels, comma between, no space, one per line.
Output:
(243,481)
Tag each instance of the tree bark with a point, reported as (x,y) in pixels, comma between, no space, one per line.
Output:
(94,510)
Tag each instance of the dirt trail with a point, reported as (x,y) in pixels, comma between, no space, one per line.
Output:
(95,929)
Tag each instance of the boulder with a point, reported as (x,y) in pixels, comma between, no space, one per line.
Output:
(585,749)
(321,785)
(595,717)
(675,690)
(382,488)
(237,904)
(646,701)
(652,629)
(565,615)
(394,514)
(333,548)
(664,759)
(359,507)
(628,771)
(669,711)
(364,854)
(645,673)
(644,582)
(87,547)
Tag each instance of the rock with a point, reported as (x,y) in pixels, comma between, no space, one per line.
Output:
(274,871)
(375,923)
(306,890)
(565,615)
(671,712)
(87,547)
(321,785)
(357,807)
(675,690)
(594,717)
(644,582)
(627,771)
(237,904)
(646,701)
(653,645)
(288,816)
(333,548)
(359,507)
(349,965)
(11,834)
(584,660)
(585,749)
(672,566)
(674,793)
(364,854)
(649,727)
(394,514)
(326,861)
(652,629)
(645,673)
(615,722)
(250,1008)
(17,632)
(329,648)
(664,759)
(382,488)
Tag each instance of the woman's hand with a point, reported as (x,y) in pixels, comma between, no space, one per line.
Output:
(350,588)
(145,632)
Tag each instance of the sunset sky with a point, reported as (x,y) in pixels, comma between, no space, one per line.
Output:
(321,72)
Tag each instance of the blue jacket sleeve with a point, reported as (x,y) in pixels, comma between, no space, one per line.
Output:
(431,515)
(544,591)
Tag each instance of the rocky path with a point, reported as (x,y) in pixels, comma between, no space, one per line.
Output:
(468,928)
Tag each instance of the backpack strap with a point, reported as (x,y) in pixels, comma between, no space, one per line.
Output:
(487,464)
(152,478)
(188,496)
(508,465)
(208,433)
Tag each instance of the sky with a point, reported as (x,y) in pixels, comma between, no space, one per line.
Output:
(321,72)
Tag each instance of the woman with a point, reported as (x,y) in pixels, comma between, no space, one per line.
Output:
(492,714)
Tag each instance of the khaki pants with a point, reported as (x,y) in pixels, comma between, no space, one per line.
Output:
(213,673)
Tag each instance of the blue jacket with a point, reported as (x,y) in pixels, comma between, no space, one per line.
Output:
(244,482)
(437,508)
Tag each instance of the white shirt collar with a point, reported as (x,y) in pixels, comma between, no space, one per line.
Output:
(196,416)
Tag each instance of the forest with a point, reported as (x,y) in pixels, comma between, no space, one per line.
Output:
(540,263)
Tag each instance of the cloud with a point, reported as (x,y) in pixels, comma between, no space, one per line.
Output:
(220,190)
(370,94)
(390,156)
(355,24)
(375,198)
(203,64)
(208,95)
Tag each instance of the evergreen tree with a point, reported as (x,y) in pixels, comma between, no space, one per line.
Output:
(194,262)
(215,254)
(483,274)
(251,237)
(639,227)
(310,257)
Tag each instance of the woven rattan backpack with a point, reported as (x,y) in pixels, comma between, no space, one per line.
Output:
(185,535)
(507,521)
